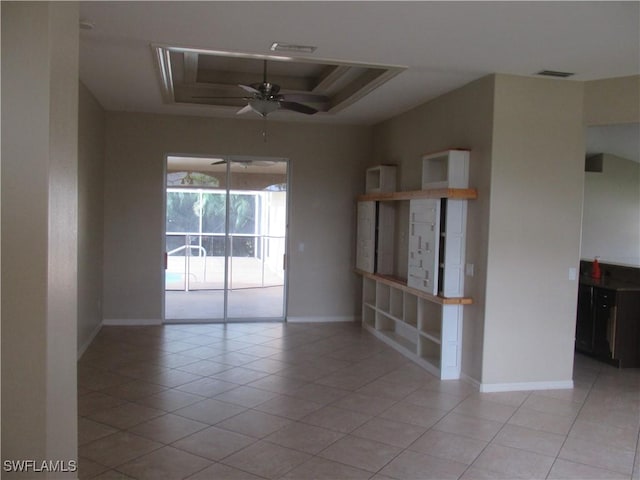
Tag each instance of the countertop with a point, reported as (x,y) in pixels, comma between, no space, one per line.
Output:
(612,284)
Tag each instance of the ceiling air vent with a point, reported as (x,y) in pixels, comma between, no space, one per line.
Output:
(553,73)
(291,47)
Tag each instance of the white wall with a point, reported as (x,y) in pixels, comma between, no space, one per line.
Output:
(327,164)
(610,102)
(39,238)
(611,216)
(534,232)
(91,129)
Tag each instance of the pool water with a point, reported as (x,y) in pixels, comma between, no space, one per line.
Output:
(170,277)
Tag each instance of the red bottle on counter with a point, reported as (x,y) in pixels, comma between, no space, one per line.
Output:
(595,269)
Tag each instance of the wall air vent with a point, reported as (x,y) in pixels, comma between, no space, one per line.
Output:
(553,73)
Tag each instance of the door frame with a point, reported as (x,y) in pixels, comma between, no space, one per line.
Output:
(285,289)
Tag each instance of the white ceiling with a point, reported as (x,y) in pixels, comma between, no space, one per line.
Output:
(444,45)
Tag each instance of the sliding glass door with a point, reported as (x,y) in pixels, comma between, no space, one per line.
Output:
(226,224)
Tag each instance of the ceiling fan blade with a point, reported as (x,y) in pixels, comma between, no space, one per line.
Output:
(219,162)
(298,107)
(304,97)
(221,98)
(245,109)
(249,89)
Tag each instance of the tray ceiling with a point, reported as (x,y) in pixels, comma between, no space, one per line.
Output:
(207,77)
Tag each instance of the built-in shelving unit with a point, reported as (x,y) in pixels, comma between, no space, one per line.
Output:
(420,316)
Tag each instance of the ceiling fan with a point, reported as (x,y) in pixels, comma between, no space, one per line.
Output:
(265,98)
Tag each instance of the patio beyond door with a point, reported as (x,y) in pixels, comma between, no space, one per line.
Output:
(226,225)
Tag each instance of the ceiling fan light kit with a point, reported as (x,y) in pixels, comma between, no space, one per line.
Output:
(262,107)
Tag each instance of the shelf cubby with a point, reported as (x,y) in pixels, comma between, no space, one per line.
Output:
(430,320)
(382,297)
(396,307)
(410,309)
(429,351)
(448,169)
(394,338)
(384,322)
(369,291)
(381,178)
(368,316)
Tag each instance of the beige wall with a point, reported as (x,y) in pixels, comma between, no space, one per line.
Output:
(91,126)
(523,233)
(611,217)
(327,163)
(534,231)
(462,119)
(39,239)
(611,101)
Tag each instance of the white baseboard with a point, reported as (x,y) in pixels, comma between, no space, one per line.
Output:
(85,345)
(525,386)
(321,319)
(130,322)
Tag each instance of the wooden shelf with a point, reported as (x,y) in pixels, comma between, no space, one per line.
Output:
(454,193)
(401,284)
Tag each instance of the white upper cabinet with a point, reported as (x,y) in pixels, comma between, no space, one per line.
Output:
(448,169)
(381,178)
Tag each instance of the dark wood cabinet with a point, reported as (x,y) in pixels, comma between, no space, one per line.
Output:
(585,321)
(608,324)
(604,323)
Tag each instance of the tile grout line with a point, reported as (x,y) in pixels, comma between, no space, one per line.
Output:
(571,427)
(505,423)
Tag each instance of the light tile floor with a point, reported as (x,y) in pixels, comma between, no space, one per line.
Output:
(330,401)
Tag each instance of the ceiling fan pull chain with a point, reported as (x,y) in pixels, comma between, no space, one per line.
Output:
(264,128)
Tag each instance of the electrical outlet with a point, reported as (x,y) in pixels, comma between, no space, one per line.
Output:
(468,270)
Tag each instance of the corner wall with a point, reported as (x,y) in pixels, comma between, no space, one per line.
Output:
(91,128)
(534,233)
(326,175)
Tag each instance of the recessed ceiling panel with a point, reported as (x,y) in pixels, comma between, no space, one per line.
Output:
(216,78)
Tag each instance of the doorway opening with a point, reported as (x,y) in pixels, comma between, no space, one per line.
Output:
(225,239)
